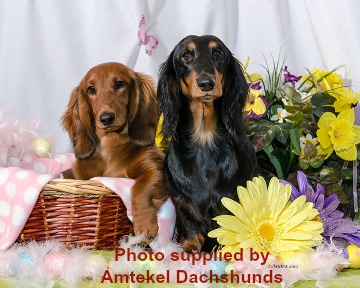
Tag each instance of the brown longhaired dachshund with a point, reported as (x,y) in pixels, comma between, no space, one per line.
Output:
(202,91)
(111,119)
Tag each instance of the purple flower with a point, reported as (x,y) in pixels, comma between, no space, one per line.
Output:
(290,78)
(357,115)
(255,86)
(336,228)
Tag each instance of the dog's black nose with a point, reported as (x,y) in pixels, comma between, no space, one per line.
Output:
(107,118)
(206,84)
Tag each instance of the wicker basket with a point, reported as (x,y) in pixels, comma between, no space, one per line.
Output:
(77,213)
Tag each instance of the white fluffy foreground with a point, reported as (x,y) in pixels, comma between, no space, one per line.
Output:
(41,264)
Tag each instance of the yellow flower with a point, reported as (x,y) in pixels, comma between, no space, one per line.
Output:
(328,83)
(251,78)
(345,99)
(254,103)
(160,140)
(267,221)
(338,134)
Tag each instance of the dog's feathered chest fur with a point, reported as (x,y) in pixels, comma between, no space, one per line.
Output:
(203,169)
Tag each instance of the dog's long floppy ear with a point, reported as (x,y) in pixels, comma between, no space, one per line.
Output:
(143,111)
(235,94)
(78,121)
(168,96)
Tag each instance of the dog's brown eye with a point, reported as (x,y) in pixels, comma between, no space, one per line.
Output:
(217,53)
(91,90)
(186,56)
(119,84)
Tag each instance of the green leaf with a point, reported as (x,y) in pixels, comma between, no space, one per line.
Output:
(275,161)
(338,190)
(282,132)
(262,133)
(293,95)
(322,102)
(283,155)
(347,174)
(295,139)
(297,118)
(308,108)
(317,163)
(304,164)
(310,157)
(329,175)
(310,150)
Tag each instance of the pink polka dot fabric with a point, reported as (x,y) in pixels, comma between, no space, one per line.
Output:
(21,181)
(19,191)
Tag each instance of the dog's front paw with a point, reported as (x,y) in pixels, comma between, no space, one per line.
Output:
(194,244)
(147,228)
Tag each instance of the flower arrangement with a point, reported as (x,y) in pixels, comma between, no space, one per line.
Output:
(302,128)
(291,224)
(306,123)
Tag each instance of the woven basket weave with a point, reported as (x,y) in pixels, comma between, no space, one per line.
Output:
(77,213)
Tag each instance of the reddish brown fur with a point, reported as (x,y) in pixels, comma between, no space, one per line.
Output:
(194,244)
(124,148)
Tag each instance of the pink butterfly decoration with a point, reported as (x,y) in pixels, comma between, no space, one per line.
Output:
(144,39)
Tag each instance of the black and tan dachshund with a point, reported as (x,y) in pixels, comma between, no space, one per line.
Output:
(201,92)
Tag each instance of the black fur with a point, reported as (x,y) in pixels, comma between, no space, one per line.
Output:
(198,176)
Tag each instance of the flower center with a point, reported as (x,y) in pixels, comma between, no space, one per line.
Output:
(251,98)
(318,219)
(267,231)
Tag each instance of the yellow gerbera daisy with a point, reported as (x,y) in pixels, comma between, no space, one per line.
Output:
(338,134)
(267,221)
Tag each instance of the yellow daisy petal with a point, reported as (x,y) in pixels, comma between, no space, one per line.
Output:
(297,236)
(227,239)
(308,226)
(228,221)
(292,209)
(218,232)
(234,208)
